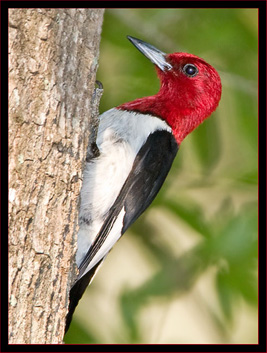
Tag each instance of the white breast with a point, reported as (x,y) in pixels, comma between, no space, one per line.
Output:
(121,134)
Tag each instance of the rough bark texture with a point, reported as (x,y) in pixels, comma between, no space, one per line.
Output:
(53,57)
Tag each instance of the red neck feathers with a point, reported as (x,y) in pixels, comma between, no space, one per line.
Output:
(183,101)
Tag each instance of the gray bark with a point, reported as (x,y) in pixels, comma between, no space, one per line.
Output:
(53,57)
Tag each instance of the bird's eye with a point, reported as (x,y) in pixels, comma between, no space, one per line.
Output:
(190,70)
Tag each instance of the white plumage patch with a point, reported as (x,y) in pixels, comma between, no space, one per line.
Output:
(121,134)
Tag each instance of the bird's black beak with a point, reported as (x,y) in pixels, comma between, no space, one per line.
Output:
(156,56)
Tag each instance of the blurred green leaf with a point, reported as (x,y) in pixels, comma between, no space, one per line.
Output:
(78,334)
(237,241)
(238,281)
(192,214)
(176,276)
(225,292)
(207,144)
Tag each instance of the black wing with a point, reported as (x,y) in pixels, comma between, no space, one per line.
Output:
(150,169)
(77,291)
(148,173)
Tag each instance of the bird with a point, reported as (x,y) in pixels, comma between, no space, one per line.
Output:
(135,147)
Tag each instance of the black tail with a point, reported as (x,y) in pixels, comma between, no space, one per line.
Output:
(76,293)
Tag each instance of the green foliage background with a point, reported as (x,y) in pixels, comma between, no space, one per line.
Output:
(186,271)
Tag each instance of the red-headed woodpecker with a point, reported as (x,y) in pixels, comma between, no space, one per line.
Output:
(137,143)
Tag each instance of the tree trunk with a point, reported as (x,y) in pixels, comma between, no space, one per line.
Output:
(53,57)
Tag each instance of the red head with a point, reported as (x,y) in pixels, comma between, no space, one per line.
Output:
(190,90)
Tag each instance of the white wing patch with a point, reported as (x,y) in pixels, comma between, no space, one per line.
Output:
(112,238)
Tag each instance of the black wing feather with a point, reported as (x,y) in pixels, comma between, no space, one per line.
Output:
(148,173)
(76,293)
